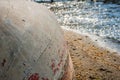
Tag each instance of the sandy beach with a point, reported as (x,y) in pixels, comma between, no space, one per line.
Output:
(91,61)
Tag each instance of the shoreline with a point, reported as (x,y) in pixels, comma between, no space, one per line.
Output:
(100,19)
(108,44)
(90,61)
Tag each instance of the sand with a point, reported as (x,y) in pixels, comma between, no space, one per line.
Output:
(91,61)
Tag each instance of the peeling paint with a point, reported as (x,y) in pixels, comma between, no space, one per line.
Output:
(34,77)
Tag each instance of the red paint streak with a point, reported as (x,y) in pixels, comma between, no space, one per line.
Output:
(44,78)
(60,63)
(53,65)
(55,70)
(3,63)
(34,76)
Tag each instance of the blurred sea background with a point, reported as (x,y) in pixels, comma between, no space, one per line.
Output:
(94,18)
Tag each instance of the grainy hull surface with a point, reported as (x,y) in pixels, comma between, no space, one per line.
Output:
(32,46)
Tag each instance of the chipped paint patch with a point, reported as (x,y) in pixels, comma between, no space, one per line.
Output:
(34,76)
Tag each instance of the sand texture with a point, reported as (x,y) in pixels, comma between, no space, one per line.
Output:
(92,62)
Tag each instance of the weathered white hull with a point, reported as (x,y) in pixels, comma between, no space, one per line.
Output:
(32,46)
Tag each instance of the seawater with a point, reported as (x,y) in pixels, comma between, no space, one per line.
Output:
(96,18)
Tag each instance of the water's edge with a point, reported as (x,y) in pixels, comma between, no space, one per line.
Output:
(101,42)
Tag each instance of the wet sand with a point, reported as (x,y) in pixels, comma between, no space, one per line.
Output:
(92,62)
